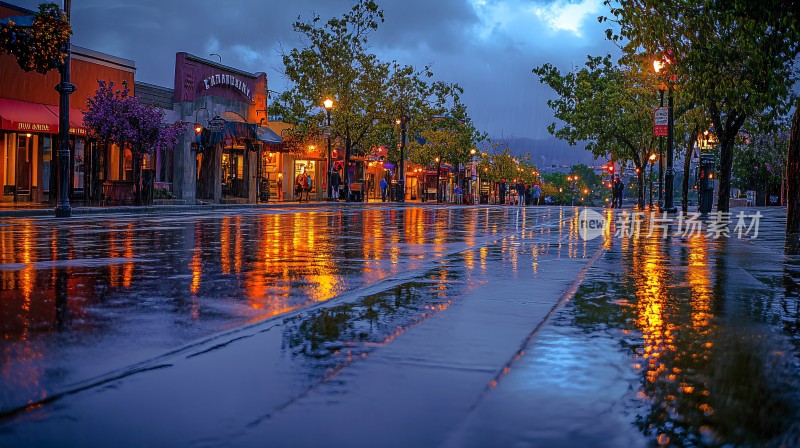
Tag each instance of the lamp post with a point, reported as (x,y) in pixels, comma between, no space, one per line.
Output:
(65,89)
(669,174)
(650,177)
(401,173)
(660,157)
(328,103)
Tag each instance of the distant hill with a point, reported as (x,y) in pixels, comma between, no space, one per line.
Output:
(547,152)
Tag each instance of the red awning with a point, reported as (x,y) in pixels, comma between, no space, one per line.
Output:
(22,116)
(75,120)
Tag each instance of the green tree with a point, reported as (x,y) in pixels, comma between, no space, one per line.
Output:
(608,106)
(734,58)
(760,158)
(369,94)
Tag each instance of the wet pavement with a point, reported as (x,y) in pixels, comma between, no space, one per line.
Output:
(385,325)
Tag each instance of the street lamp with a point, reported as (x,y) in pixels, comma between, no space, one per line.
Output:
(328,103)
(65,89)
(669,174)
(401,172)
(650,176)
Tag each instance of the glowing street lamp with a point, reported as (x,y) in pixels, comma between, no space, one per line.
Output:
(652,159)
(660,66)
(328,104)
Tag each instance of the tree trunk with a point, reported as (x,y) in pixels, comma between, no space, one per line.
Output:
(438,186)
(640,177)
(137,178)
(687,164)
(725,169)
(793,176)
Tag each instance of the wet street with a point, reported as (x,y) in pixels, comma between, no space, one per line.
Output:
(389,325)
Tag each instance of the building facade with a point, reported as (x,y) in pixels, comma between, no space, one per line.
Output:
(221,157)
(29,126)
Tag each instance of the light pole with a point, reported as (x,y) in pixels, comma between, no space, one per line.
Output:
(328,103)
(65,89)
(650,176)
(572,179)
(669,174)
(660,157)
(401,173)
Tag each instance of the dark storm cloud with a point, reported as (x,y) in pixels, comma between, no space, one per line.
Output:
(487,46)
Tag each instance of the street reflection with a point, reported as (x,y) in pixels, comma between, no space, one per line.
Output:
(109,288)
(691,324)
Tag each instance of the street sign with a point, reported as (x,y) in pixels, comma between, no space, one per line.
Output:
(660,122)
(216,124)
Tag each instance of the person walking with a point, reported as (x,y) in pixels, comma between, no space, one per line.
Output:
(458,195)
(384,185)
(300,185)
(520,193)
(502,192)
(336,181)
(619,188)
(537,193)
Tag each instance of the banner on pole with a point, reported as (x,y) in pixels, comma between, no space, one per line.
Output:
(660,122)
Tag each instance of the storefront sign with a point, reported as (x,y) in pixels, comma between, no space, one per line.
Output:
(216,124)
(228,80)
(197,78)
(34,127)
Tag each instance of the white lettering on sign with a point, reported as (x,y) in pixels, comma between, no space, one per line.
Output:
(228,80)
(33,127)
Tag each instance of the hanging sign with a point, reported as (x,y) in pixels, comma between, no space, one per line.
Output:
(660,122)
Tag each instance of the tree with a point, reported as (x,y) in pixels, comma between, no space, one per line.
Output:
(115,117)
(144,131)
(41,46)
(792,170)
(760,159)
(608,106)
(369,94)
(733,58)
(445,140)
(104,120)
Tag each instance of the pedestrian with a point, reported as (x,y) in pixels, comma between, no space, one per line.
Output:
(309,185)
(537,193)
(279,184)
(618,189)
(336,180)
(300,184)
(458,194)
(520,193)
(502,192)
(384,185)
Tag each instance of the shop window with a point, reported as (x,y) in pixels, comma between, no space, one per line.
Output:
(47,158)
(78,165)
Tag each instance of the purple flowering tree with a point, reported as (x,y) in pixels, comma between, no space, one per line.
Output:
(115,117)
(104,121)
(145,133)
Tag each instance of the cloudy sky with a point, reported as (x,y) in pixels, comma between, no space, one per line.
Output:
(487,46)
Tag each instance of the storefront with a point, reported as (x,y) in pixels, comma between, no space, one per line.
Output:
(29,127)
(221,159)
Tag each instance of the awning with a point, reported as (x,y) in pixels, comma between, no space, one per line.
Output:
(75,119)
(232,131)
(22,116)
(269,138)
